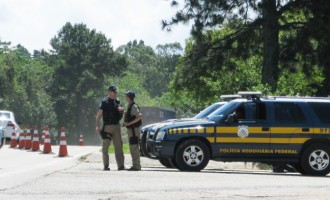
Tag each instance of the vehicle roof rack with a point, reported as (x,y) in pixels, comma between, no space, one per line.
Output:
(250,94)
(229,97)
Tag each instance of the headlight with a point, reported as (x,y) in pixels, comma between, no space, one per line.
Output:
(160,135)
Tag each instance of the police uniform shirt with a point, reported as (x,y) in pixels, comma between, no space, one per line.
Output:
(135,111)
(111,114)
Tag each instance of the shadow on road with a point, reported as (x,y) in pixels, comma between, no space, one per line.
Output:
(225,171)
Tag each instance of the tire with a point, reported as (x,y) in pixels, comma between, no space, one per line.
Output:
(315,160)
(2,142)
(299,169)
(166,162)
(174,164)
(192,155)
(143,145)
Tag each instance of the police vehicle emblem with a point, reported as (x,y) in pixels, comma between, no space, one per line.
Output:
(243,131)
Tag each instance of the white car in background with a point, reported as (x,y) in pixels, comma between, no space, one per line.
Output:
(9,124)
(2,139)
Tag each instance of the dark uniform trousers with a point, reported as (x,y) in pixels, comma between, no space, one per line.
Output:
(134,148)
(115,133)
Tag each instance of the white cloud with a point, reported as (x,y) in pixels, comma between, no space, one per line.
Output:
(32,23)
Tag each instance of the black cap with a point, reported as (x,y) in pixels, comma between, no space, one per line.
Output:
(112,88)
(130,94)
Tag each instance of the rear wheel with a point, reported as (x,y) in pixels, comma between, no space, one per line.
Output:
(315,160)
(192,155)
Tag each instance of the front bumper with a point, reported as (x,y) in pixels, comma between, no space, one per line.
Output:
(161,149)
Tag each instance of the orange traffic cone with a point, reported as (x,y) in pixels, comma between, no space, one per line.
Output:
(13,140)
(63,150)
(28,143)
(35,142)
(42,137)
(81,141)
(47,143)
(21,143)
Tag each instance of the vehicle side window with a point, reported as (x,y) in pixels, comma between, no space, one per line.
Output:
(258,111)
(322,110)
(251,112)
(4,115)
(240,113)
(288,113)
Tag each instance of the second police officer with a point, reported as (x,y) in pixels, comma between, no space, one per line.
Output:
(133,123)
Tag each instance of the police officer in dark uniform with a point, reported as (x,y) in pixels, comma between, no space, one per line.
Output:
(111,112)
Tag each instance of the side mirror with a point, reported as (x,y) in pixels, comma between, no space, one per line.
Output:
(230,118)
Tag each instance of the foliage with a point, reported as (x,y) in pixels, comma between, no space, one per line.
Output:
(183,103)
(82,59)
(298,83)
(211,76)
(129,81)
(23,88)
(258,22)
(227,53)
(125,149)
(155,68)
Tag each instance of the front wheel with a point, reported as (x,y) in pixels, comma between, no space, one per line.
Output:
(192,155)
(315,160)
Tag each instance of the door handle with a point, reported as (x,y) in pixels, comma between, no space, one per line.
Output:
(305,129)
(265,129)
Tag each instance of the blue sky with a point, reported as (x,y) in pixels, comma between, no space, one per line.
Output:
(32,23)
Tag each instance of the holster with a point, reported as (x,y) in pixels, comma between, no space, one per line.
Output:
(134,139)
(104,135)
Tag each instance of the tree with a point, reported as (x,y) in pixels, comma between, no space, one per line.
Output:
(155,68)
(308,45)
(130,81)
(23,84)
(262,16)
(82,60)
(4,47)
(168,58)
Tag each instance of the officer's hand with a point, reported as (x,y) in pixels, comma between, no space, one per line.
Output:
(120,109)
(97,129)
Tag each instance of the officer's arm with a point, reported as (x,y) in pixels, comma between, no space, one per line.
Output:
(98,117)
(138,115)
(134,120)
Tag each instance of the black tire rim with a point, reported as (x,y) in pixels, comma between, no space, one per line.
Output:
(319,160)
(193,156)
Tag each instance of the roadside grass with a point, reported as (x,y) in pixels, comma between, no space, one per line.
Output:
(125,149)
(84,158)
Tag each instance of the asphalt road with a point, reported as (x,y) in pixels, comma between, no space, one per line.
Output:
(75,178)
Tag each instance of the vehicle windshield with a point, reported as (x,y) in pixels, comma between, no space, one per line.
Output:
(204,113)
(4,115)
(222,111)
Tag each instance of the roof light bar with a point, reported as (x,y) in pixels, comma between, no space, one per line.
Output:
(228,97)
(250,94)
